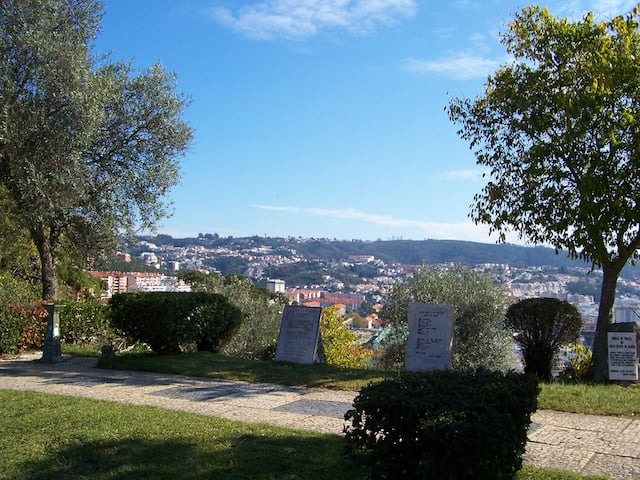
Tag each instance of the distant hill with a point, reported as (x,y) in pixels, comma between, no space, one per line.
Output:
(417,252)
(411,252)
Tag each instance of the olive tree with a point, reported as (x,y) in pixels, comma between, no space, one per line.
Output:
(559,132)
(480,337)
(88,148)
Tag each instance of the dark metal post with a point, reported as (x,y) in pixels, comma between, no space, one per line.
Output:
(52,351)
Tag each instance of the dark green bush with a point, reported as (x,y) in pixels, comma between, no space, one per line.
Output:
(11,325)
(171,322)
(541,327)
(444,425)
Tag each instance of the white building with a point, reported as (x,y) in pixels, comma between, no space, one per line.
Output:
(629,312)
(275,286)
(156,282)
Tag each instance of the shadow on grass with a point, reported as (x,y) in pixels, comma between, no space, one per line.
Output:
(241,457)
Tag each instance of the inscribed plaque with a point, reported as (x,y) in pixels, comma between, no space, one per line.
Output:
(299,334)
(623,356)
(430,337)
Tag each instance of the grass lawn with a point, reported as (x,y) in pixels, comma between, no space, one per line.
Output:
(49,436)
(590,399)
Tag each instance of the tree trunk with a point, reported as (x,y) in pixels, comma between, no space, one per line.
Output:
(47,264)
(600,363)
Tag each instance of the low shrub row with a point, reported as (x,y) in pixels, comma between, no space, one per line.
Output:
(168,322)
(171,322)
(445,425)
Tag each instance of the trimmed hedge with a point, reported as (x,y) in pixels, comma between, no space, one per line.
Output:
(171,322)
(86,323)
(444,425)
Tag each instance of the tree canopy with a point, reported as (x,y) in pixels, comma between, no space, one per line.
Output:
(88,147)
(558,129)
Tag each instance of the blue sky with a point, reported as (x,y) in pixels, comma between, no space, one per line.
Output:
(324,118)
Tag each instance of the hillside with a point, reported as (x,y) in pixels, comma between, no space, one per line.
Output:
(412,252)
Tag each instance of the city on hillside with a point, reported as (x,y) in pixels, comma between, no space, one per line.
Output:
(356,274)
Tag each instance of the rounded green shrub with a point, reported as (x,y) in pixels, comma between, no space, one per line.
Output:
(172,322)
(442,424)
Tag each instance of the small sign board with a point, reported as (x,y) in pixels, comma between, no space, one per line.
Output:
(430,337)
(623,356)
(299,335)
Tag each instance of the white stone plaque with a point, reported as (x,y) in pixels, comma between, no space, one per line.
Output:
(623,356)
(299,334)
(430,337)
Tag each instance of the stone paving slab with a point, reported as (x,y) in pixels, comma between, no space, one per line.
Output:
(321,408)
(586,444)
(624,468)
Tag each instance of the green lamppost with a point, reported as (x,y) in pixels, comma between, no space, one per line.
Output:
(52,351)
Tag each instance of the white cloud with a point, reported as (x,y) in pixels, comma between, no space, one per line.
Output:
(602,9)
(300,19)
(398,226)
(462,66)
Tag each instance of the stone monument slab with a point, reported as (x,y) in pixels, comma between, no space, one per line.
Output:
(430,337)
(299,335)
(623,339)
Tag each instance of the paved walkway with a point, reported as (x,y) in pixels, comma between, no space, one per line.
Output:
(590,445)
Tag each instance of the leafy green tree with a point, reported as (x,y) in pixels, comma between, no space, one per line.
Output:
(88,148)
(559,132)
(541,327)
(480,337)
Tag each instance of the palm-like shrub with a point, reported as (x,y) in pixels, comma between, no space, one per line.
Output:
(541,326)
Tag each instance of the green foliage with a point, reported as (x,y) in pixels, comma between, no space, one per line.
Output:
(558,130)
(172,322)
(445,425)
(11,325)
(15,290)
(17,252)
(86,323)
(557,127)
(89,146)
(261,312)
(480,337)
(76,282)
(541,327)
(340,345)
